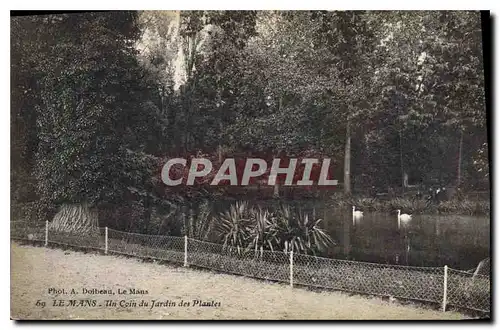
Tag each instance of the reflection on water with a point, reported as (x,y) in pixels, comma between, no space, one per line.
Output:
(427,240)
(459,241)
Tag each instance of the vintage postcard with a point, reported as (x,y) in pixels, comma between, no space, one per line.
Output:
(256,165)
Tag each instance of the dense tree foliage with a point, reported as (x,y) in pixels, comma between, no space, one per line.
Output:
(96,126)
(100,100)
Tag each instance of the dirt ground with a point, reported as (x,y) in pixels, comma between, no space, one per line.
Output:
(172,292)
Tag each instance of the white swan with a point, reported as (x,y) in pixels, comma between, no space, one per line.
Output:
(356,215)
(403,217)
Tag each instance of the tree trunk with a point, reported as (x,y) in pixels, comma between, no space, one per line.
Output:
(162,100)
(347,190)
(191,230)
(276,191)
(459,167)
(76,218)
(401,161)
(147,215)
(185,226)
(219,147)
(347,160)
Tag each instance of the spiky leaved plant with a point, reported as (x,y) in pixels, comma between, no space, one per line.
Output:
(201,222)
(247,228)
(261,237)
(297,231)
(233,227)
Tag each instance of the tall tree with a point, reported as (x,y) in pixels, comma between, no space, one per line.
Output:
(94,118)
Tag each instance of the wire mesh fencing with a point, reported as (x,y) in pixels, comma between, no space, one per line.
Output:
(441,285)
(168,248)
(419,283)
(30,231)
(468,290)
(261,264)
(91,240)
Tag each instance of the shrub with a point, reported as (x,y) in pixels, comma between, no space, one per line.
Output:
(254,228)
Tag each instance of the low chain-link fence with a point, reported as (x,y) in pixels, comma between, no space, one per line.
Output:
(159,247)
(442,285)
(418,283)
(468,290)
(259,264)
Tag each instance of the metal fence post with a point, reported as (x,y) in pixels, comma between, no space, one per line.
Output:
(106,240)
(46,232)
(185,250)
(291,268)
(445,287)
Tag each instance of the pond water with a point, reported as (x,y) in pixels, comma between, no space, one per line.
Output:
(427,240)
(458,241)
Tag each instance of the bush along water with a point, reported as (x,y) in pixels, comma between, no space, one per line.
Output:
(463,206)
(282,228)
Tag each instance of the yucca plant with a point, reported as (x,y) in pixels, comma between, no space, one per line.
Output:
(246,228)
(261,237)
(297,231)
(201,222)
(234,226)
